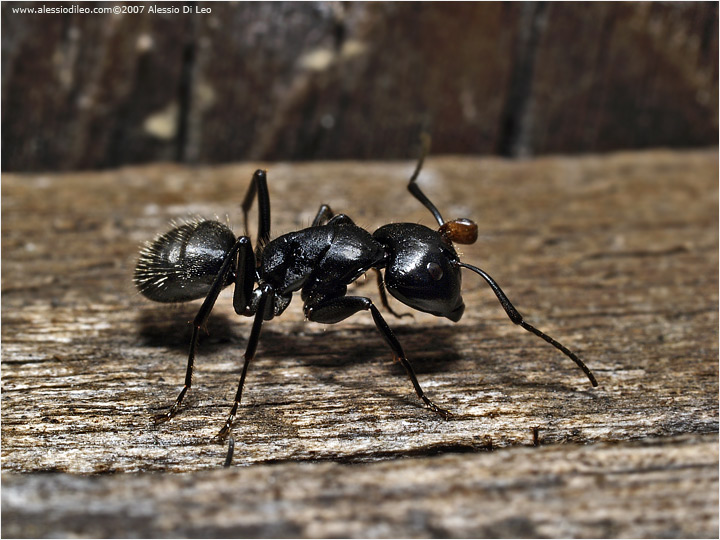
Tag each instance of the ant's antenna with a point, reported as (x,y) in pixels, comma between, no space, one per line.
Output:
(414,188)
(462,231)
(515,317)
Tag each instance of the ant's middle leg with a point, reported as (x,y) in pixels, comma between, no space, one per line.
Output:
(323,216)
(326,216)
(333,310)
(243,245)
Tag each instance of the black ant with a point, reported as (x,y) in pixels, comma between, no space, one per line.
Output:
(422,270)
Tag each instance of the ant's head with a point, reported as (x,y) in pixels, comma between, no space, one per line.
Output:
(422,268)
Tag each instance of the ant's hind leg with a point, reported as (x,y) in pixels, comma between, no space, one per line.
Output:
(267,293)
(258,186)
(244,277)
(200,321)
(336,309)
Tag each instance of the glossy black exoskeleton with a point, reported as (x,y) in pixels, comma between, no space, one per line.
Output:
(421,269)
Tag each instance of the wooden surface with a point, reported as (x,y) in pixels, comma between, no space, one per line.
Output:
(354,80)
(615,256)
(660,488)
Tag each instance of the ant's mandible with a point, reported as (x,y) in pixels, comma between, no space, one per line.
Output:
(422,269)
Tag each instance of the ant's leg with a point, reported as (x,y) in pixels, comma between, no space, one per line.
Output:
(384,298)
(200,320)
(323,215)
(515,317)
(258,185)
(326,216)
(230,452)
(267,293)
(244,277)
(334,310)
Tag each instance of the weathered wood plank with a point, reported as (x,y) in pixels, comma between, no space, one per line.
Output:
(328,80)
(616,256)
(662,488)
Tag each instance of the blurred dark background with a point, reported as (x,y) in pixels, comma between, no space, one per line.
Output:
(326,80)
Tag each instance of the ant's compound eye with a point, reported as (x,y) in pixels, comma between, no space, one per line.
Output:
(435,271)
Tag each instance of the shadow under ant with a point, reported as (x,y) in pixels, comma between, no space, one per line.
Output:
(172,329)
(429,349)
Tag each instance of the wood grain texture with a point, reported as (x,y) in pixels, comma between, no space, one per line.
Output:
(355,80)
(660,488)
(615,256)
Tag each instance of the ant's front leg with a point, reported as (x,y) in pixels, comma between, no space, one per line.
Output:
(384,297)
(243,245)
(333,310)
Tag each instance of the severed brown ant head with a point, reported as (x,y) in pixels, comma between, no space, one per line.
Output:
(460,231)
